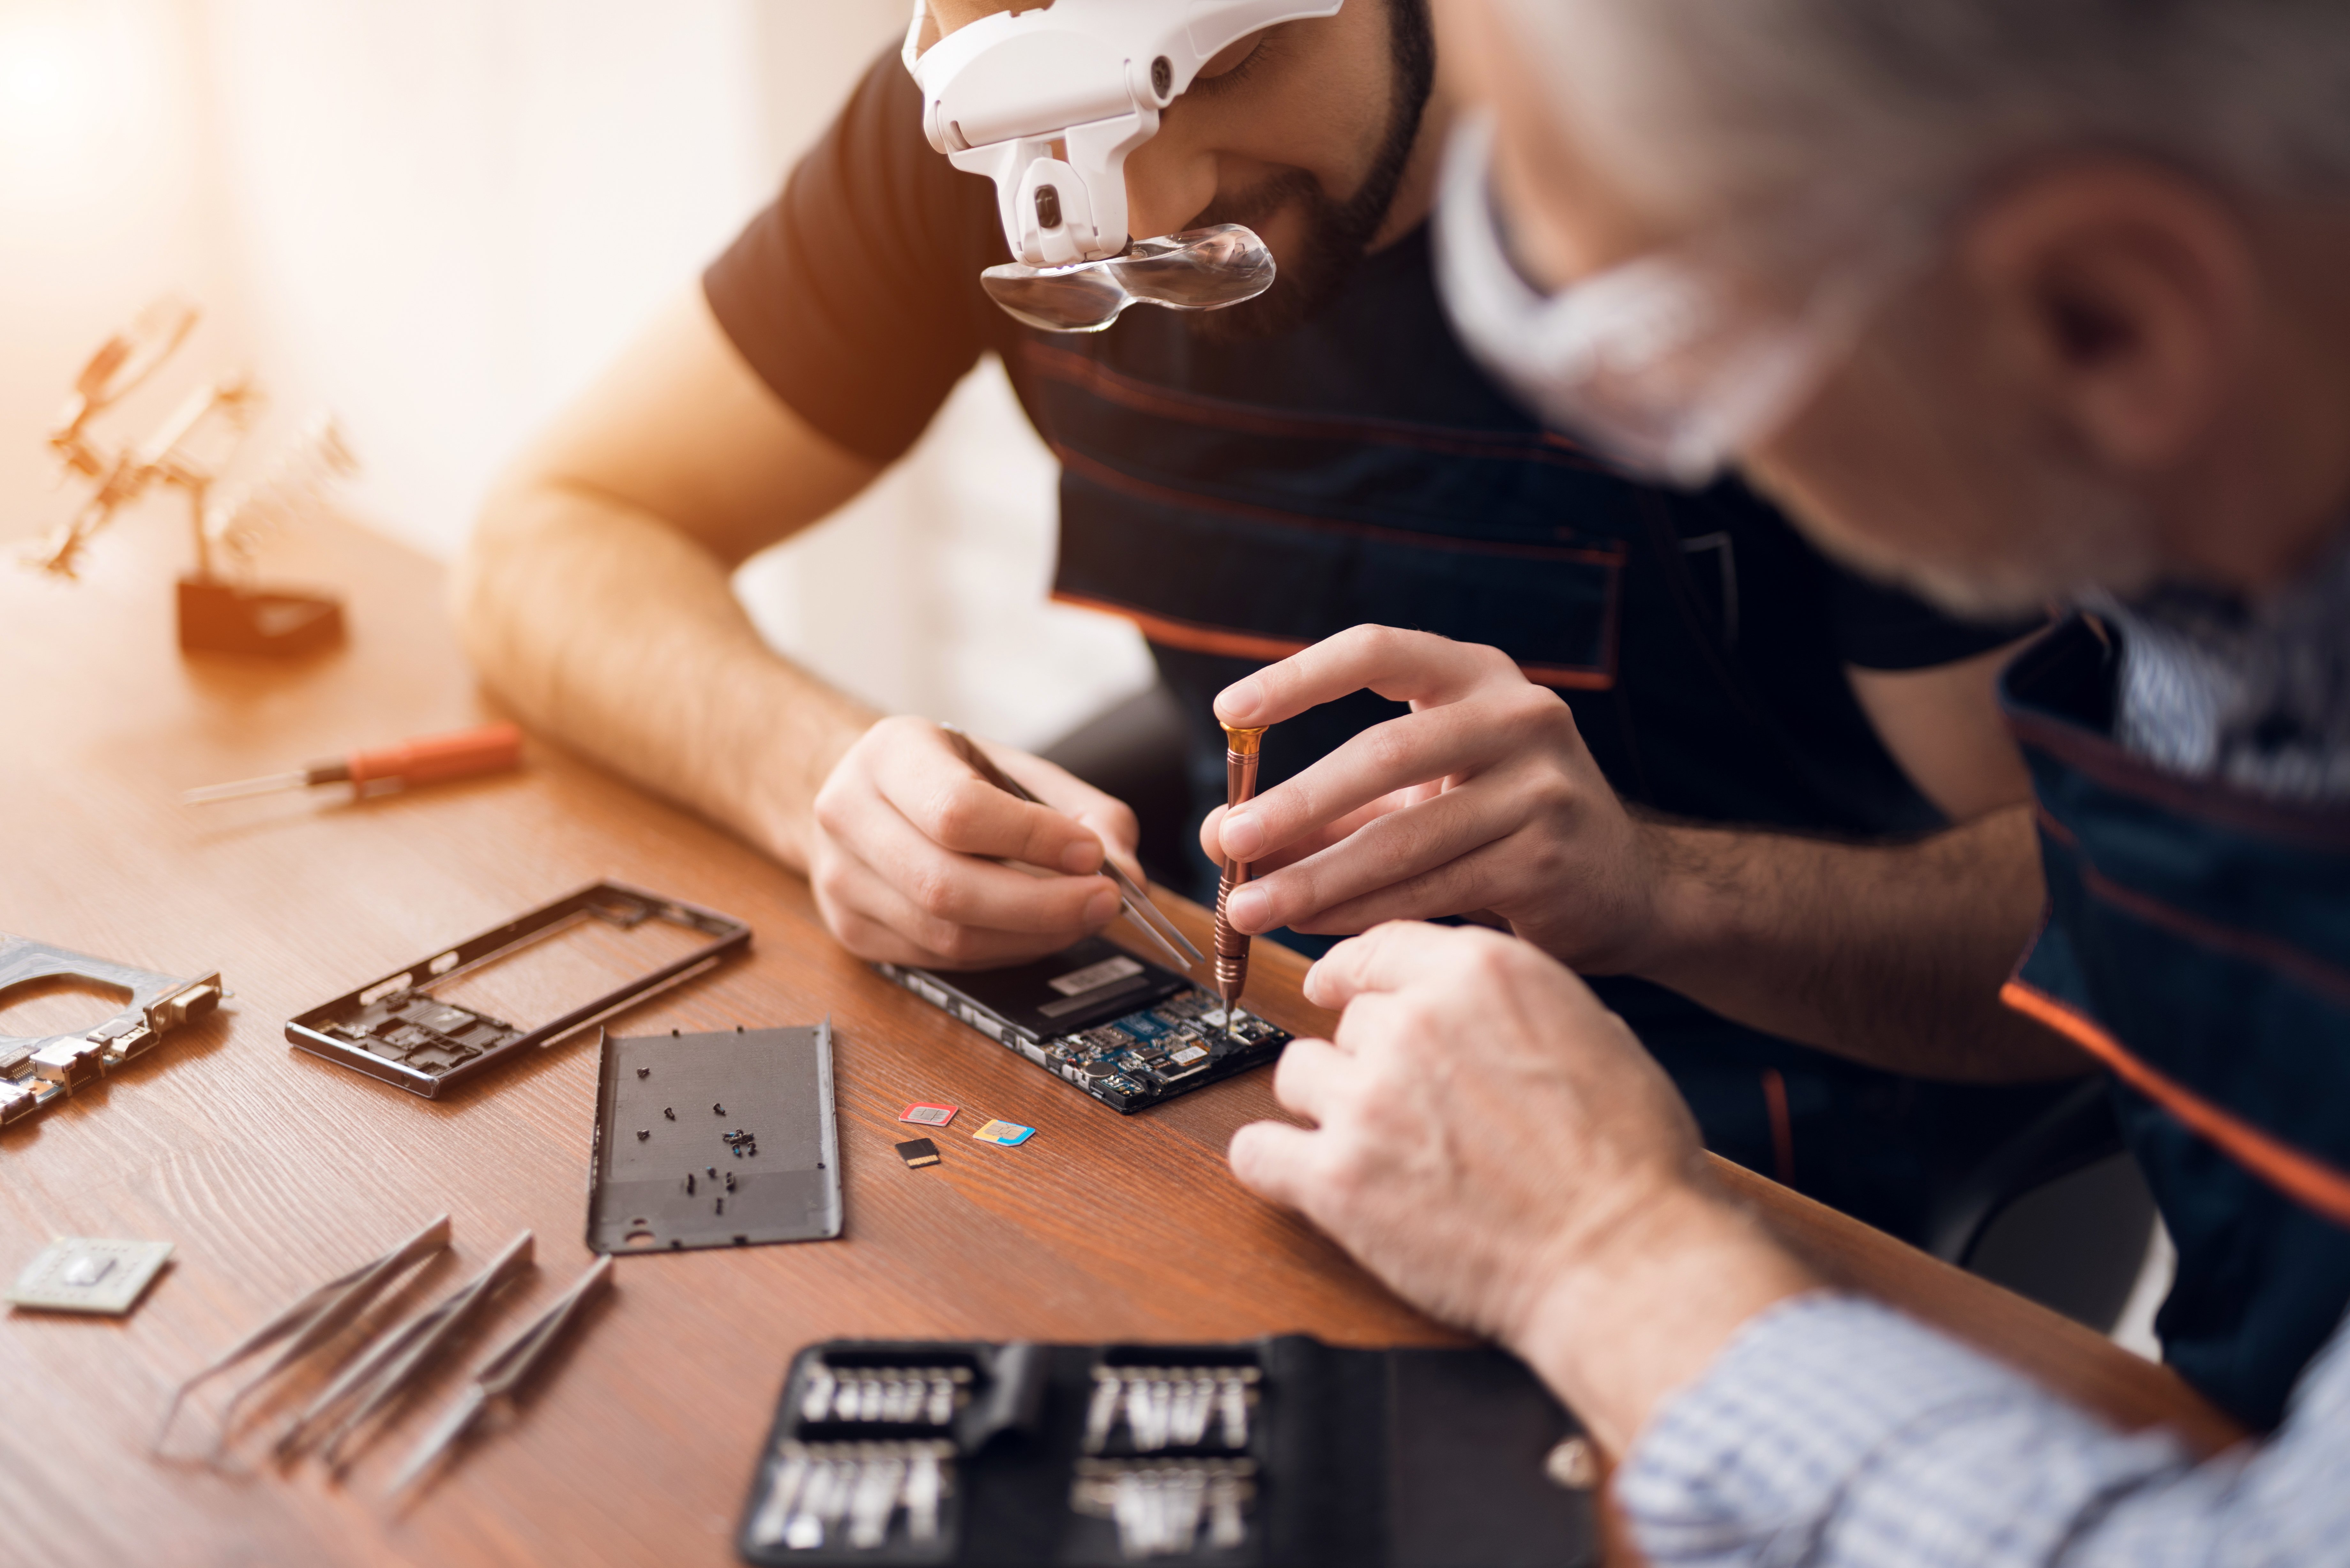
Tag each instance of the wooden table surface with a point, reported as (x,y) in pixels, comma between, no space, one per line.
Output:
(271,1170)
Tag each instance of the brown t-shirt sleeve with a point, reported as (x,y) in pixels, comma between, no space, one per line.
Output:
(855,296)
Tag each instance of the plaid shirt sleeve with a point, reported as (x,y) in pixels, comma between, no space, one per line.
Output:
(1833,1431)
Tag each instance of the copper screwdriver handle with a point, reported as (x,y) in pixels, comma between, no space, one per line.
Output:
(1240,746)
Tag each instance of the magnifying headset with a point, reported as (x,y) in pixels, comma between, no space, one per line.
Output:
(1048,103)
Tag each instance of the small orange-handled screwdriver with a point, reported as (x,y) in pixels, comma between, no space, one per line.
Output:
(427,759)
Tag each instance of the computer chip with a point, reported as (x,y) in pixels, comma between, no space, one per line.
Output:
(77,1273)
(918,1152)
(929,1116)
(1143,1025)
(1008,1134)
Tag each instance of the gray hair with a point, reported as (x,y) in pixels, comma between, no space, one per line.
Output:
(1700,106)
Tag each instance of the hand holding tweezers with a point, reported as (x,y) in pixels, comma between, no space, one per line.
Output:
(503,1374)
(1146,914)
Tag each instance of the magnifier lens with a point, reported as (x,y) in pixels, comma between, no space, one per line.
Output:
(1199,269)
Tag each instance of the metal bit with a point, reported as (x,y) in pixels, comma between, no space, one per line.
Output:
(1103,1412)
(1189,1416)
(775,1512)
(821,1500)
(874,1499)
(1146,1413)
(1225,1529)
(1158,1506)
(924,1483)
(1234,1408)
(817,1401)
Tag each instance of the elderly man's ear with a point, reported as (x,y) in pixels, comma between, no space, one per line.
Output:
(2124,302)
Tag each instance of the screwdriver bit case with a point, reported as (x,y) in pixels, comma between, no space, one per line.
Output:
(1263,1454)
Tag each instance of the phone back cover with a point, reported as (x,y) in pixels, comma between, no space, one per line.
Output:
(677,1116)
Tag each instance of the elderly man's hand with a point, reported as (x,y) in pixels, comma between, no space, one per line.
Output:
(1483,798)
(1495,1144)
(905,855)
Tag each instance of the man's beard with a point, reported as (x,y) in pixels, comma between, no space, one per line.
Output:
(1334,236)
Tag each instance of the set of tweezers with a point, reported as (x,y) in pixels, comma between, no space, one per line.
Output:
(382,1372)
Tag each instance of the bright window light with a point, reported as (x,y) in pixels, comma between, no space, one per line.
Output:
(49,88)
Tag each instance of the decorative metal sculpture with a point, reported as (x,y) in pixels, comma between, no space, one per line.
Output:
(188,451)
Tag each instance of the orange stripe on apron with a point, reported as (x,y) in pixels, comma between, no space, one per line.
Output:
(2309,1180)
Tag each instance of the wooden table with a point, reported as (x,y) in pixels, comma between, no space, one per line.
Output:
(272,1171)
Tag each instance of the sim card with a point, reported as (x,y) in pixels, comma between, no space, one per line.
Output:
(1008,1134)
(929,1116)
(77,1273)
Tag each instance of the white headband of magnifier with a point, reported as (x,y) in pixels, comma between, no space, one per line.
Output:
(1048,102)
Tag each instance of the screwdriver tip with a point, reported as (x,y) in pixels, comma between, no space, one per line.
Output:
(244,787)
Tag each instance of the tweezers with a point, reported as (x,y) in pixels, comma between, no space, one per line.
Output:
(381,1377)
(1146,914)
(503,1374)
(309,1322)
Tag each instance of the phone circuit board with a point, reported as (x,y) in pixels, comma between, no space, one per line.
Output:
(1126,1032)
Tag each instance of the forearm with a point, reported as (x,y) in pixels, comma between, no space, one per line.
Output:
(1891,955)
(1834,1432)
(1646,1309)
(606,628)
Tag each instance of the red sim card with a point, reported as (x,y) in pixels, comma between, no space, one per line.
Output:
(929,1116)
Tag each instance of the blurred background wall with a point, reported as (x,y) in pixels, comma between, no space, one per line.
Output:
(437,218)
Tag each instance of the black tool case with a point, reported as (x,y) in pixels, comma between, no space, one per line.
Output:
(929,1451)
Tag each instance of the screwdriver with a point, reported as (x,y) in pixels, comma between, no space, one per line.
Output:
(425,759)
(1242,746)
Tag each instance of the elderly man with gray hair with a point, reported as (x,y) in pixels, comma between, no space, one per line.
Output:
(2013,301)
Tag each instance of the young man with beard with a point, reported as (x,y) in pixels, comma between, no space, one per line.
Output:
(1244,483)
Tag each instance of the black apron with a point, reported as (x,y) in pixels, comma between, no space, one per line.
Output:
(2199,944)
(1241,500)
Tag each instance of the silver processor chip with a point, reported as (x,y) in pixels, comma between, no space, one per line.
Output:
(79,1274)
